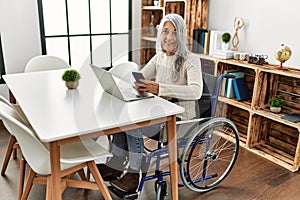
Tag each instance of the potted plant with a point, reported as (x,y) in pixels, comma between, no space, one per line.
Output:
(276,104)
(71,78)
(225,38)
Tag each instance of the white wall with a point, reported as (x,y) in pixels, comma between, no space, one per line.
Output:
(19,27)
(268,24)
(136,32)
(20,34)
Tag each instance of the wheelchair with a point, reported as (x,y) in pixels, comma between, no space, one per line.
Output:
(207,147)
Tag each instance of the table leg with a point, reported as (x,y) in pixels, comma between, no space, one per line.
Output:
(55,171)
(12,98)
(172,145)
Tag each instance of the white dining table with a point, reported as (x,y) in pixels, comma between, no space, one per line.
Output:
(60,115)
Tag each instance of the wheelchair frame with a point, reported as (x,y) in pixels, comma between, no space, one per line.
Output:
(216,139)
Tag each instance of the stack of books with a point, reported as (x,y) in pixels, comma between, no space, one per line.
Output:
(235,87)
(223,54)
(241,89)
(209,42)
(201,41)
(292,117)
(215,41)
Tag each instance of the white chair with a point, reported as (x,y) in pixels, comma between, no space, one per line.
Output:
(45,62)
(12,145)
(38,63)
(123,70)
(74,157)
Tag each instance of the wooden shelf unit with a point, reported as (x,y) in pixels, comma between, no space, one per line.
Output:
(208,64)
(194,13)
(165,7)
(261,131)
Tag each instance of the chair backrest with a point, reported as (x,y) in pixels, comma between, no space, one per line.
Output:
(204,104)
(35,152)
(4,100)
(18,110)
(123,70)
(45,62)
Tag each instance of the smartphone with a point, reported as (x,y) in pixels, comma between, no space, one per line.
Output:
(138,76)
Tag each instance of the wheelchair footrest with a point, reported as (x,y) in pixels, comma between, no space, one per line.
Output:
(122,194)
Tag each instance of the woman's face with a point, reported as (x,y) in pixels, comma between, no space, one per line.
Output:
(169,39)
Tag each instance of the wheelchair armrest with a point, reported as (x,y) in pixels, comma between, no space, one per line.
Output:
(192,121)
(182,127)
(206,95)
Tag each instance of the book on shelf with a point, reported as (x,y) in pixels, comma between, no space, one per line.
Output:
(198,40)
(229,90)
(241,90)
(223,54)
(206,42)
(195,47)
(212,41)
(292,117)
(224,80)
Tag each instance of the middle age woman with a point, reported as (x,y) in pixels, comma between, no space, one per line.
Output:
(178,78)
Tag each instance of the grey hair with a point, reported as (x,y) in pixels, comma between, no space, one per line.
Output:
(181,49)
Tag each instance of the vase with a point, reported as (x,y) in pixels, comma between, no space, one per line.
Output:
(275,109)
(72,84)
(156,3)
(225,46)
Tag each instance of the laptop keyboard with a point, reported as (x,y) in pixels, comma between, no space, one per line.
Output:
(130,93)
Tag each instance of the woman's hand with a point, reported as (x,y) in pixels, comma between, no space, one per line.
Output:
(147,86)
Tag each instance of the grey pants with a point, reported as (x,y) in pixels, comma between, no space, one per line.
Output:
(133,140)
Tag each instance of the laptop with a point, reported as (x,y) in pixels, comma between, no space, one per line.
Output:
(118,87)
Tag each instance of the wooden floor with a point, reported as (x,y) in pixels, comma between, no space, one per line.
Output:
(252,177)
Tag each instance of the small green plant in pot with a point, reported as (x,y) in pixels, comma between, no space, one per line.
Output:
(71,78)
(225,38)
(276,105)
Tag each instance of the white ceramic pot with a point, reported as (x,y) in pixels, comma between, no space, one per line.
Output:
(275,109)
(225,46)
(72,84)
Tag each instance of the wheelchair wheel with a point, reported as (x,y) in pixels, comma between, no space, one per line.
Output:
(209,154)
(161,190)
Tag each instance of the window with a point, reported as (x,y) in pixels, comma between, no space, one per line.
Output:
(81,32)
(2,68)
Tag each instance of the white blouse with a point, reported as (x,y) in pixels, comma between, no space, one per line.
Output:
(187,88)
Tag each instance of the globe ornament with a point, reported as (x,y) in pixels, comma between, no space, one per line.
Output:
(282,54)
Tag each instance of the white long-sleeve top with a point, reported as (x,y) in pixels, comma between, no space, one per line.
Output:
(187,87)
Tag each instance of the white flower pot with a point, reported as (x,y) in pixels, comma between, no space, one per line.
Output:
(72,84)
(275,109)
(225,46)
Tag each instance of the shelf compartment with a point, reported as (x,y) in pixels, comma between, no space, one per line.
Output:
(153,8)
(276,156)
(150,3)
(238,116)
(150,39)
(246,105)
(147,51)
(249,75)
(276,117)
(283,87)
(275,141)
(146,18)
(175,7)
